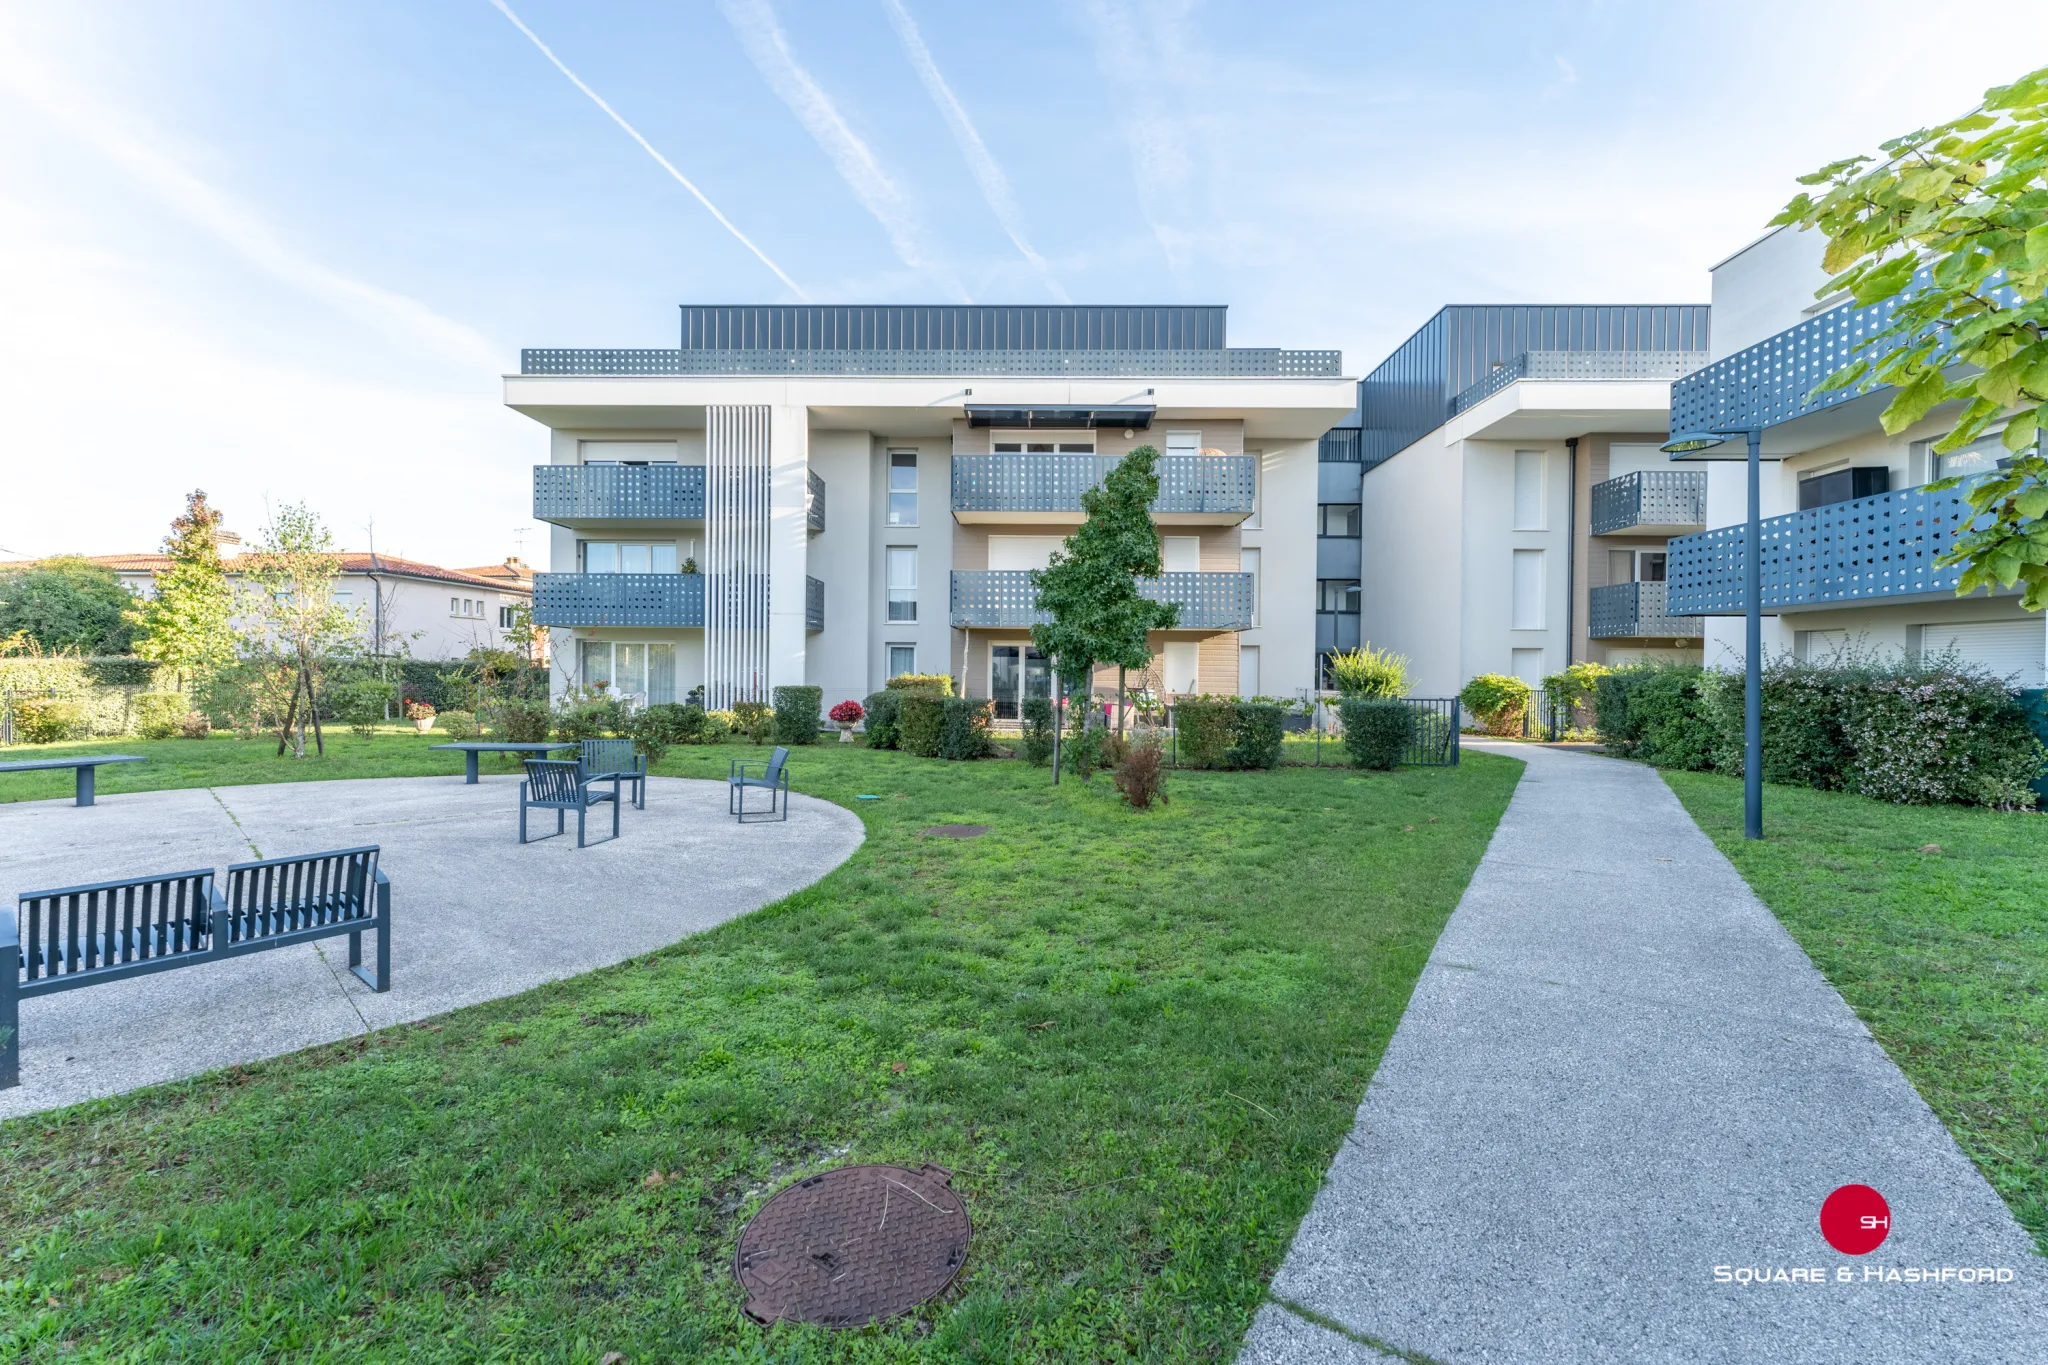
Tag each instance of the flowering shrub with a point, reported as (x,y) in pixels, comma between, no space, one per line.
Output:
(1945,738)
(848,712)
(416,709)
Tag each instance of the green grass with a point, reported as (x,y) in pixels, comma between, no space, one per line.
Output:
(1943,954)
(1136,1038)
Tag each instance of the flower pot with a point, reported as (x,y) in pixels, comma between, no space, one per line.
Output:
(846,734)
(423,725)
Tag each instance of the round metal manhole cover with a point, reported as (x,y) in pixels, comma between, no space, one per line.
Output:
(957,831)
(853,1245)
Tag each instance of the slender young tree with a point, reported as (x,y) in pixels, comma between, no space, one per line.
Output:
(188,626)
(1090,588)
(288,600)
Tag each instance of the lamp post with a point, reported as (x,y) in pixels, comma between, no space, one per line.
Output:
(1678,447)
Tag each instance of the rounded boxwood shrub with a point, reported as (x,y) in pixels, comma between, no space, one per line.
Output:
(884,713)
(963,732)
(1376,731)
(1261,730)
(654,729)
(521,722)
(1207,728)
(921,726)
(799,711)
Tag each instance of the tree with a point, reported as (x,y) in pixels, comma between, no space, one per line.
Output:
(1090,588)
(188,626)
(288,600)
(1954,226)
(66,605)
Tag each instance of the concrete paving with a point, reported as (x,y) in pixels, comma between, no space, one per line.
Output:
(1618,1073)
(476,914)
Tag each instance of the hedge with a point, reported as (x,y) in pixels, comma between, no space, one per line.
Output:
(1223,732)
(935,684)
(885,709)
(799,712)
(921,727)
(1376,732)
(963,731)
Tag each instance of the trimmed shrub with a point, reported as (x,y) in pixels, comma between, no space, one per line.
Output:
(963,731)
(521,722)
(1036,745)
(160,715)
(799,713)
(1208,728)
(1497,701)
(458,725)
(1260,733)
(921,725)
(655,729)
(46,720)
(585,715)
(754,719)
(1659,713)
(1370,673)
(884,713)
(1141,773)
(1806,740)
(1086,735)
(1376,732)
(936,684)
(195,726)
(119,670)
(358,702)
(1947,734)
(718,726)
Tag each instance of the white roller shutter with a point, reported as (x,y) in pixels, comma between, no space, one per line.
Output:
(2012,649)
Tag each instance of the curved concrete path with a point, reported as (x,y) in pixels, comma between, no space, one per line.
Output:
(476,914)
(1617,1073)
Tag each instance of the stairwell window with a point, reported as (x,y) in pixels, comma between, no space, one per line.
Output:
(902,659)
(902,488)
(902,583)
(1339,519)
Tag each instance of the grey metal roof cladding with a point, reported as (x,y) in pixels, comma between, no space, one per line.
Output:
(1409,395)
(962,327)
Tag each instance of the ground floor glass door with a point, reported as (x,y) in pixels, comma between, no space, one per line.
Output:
(1016,672)
(643,673)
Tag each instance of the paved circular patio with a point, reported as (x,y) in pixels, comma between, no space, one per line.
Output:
(476,914)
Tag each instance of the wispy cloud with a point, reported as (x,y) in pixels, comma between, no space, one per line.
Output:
(1161,164)
(754,23)
(648,147)
(995,186)
(87,116)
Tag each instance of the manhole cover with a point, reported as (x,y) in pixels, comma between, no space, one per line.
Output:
(853,1245)
(957,831)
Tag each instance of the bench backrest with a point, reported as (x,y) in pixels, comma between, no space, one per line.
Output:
(554,781)
(77,929)
(279,895)
(602,757)
(775,762)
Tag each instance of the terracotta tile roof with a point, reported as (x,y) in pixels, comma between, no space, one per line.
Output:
(351,562)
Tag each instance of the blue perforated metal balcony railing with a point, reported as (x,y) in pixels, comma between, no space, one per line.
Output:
(1578,365)
(1868,549)
(1650,497)
(1237,362)
(1221,484)
(1004,598)
(1622,611)
(618,599)
(571,493)
(814,604)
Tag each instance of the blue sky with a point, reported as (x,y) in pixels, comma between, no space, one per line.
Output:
(284,251)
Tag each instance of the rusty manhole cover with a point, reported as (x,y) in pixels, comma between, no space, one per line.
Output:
(853,1245)
(957,831)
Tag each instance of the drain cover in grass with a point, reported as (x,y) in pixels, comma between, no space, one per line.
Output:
(853,1246)
(957,831)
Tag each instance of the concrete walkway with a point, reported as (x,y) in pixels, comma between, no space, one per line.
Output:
(1618,1073)
(476,914)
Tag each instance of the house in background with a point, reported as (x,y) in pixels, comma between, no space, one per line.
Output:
(1850,533)
(1513,505)
(835,495)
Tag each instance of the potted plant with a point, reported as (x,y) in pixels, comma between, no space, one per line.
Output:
(846,715)
(421,714)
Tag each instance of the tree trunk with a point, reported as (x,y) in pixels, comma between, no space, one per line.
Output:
(1059,717)
(291,716)
(319,739)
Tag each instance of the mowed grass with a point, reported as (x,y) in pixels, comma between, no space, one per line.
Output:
(1943,954)
(1136,1038)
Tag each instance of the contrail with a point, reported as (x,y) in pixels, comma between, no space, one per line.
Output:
(1160,164)
(661,160)
(995,186)
(754,24)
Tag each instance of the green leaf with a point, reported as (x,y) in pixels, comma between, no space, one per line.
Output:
(2032,503)
(1883,281)
(2019,433)
(1913,402)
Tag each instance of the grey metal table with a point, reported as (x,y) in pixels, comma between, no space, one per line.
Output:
(470,751)
(87,766)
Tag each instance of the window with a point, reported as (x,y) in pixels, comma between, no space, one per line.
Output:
(1015,674)
(627,452)
(2011,649)
(1339,519)
(1248,670)
(455,606)
(1336,594)
(1843,485)
(1980,456)
(1650,566)
(1529,507)
(1527,591)
(902,488)
(343,598)
(1248,563)
(902,583)
(505,617)
(1183,443)
(902,659)
(1048,443)
(615,556)
(1180,554)
(644,672)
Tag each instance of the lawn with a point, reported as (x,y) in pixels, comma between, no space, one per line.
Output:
(1137,1038)
(1943,953)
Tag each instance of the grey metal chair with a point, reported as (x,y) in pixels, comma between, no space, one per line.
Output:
(557,784)
(773,777)
(606,759)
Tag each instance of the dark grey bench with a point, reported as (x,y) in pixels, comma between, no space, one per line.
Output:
(605,759)
(78,936)
(87,766)
(558,784)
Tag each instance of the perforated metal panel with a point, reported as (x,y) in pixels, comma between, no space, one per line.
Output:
(1636,610)
(1579,365)
(1243,363)
(1055,483)
(954,327)
(814,502)
(618,599)
(814,604)
(1650,497)
(1864,550)
(1004,598)
(569,493)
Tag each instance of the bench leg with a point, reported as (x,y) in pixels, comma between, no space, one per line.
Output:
(615,810)
(580,812)
(381,982)
(86,772)
(10,1017)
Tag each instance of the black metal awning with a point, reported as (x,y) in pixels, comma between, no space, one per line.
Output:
(1134,415)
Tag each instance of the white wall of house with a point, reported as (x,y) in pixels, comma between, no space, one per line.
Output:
(1282,536)
(839,557)
(1766,287)
(1516,550)
(1413,565)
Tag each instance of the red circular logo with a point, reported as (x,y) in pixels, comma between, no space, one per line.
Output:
(1855,1220)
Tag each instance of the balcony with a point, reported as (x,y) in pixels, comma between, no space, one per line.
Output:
(1578,365)
(814,502)
(1651,502)
(577,494)
(618,599)
(1193,489)
(1629,611)
(814,604)
(1003,599)
(1869,549)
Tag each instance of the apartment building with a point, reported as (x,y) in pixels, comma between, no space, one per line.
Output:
(1513,507)
(1849,532)
(835,495)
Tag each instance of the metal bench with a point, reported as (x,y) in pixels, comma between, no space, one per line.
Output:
(87,765)
(606,759)
(77,936)
(774,776)
(558,784)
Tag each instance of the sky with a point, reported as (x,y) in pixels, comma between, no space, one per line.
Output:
(285,252)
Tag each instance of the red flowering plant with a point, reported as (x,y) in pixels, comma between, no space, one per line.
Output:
(848,712)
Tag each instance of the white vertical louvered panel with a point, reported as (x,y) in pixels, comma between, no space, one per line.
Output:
(736,554)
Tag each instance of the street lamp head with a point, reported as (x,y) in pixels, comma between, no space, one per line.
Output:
(1691,442)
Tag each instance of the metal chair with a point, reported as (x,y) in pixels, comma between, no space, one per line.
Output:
(557,784)
(774,776)
(606,759)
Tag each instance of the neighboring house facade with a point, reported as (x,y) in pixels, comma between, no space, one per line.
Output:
(1512,504)
(1850,535)
(836,495)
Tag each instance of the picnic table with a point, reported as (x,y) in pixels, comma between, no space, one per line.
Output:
(470,751)
(87,766)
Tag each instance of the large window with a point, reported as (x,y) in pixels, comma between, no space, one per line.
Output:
(902,583)
(645,673)
(903,488)
(1336,594)
(1635,566)
(1016,673)
(620,556)
(1339,519)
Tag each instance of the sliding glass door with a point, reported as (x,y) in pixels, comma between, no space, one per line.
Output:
(1016,672)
